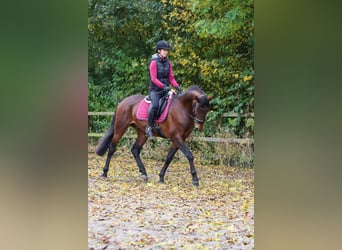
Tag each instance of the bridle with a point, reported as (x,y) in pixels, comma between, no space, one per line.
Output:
(196,119)
(193,116)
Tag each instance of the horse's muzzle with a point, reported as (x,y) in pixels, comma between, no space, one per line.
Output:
(198,126)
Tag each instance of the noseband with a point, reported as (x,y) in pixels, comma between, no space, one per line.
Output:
(196,119)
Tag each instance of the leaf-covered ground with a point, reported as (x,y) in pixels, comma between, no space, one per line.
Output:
(125,212)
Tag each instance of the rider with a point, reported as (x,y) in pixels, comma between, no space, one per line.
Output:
(161,76)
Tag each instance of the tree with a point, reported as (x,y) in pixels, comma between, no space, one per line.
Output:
(213,46)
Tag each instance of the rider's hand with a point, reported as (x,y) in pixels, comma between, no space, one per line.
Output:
(166,88)
(179,89)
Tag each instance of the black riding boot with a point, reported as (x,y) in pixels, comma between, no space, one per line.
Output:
(151,118)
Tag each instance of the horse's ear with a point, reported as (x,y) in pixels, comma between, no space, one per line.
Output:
(210,97)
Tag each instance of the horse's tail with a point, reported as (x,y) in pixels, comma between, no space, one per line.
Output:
(106,139)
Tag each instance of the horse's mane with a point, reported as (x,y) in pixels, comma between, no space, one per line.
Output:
(203,101)
(194,88)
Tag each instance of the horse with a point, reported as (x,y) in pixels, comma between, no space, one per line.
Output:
(186,110)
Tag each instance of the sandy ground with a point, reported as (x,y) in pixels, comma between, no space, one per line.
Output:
(125,212)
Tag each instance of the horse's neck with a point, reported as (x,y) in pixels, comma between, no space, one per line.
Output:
(187,101)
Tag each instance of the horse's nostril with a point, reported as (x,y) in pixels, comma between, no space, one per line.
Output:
(196,128)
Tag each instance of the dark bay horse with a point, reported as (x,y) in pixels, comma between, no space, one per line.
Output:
(186,110)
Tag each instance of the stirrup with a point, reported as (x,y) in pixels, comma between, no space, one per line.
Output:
(149,132)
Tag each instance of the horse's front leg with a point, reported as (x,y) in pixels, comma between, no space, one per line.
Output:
(168,160)
(186,151)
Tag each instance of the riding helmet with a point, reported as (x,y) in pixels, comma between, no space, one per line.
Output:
(162,45)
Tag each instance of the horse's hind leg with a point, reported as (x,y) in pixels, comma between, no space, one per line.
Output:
(111,151)
(168,160)
(136,149)
(118,133)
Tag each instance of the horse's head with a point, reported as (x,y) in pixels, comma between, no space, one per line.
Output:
(201,108)
(196,102)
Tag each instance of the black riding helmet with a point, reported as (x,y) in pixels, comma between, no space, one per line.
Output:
(162,45)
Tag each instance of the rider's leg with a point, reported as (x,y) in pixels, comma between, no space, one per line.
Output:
(152,113)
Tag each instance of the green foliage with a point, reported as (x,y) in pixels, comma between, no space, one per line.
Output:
(213,46)
(119,42)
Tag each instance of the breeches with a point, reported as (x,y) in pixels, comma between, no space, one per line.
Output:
(155,96)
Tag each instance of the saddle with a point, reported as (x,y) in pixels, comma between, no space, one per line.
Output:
(164,105)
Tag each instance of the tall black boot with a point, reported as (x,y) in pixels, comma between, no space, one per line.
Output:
(151,118)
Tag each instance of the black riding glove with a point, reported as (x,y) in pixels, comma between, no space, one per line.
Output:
(179,89)
(166,88)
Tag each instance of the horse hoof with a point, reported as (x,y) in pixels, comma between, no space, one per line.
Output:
(196,183)
(103,176)
(144,177)
(161,182)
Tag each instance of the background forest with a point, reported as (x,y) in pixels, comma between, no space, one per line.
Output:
(212,46)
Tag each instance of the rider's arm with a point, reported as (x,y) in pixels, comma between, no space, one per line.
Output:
(172,78)
(153,74)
